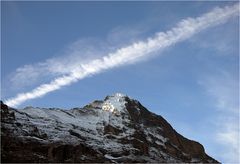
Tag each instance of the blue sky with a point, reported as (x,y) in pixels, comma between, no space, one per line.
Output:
(192,83)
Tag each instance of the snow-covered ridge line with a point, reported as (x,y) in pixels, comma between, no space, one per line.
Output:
(124,132)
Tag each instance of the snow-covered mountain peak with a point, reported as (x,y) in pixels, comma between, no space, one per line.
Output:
(116,130)
(119,95)
(115,103)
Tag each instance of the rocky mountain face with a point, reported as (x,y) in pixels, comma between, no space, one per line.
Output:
(117,129)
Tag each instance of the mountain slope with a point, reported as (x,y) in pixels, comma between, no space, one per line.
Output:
(117,129)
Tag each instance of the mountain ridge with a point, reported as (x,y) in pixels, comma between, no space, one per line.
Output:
(117,129)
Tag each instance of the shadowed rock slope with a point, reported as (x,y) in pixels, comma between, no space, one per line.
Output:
(117,129)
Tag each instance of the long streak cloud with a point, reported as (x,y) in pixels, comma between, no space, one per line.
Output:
(134,52)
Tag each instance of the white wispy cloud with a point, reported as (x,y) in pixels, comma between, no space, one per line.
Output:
(222,41)
(135,52)
(77,53)
(223,87)
(227,135)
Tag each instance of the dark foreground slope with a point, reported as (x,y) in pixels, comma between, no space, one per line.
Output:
(117,129)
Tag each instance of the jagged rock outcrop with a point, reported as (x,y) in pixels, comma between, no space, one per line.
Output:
(117,129)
